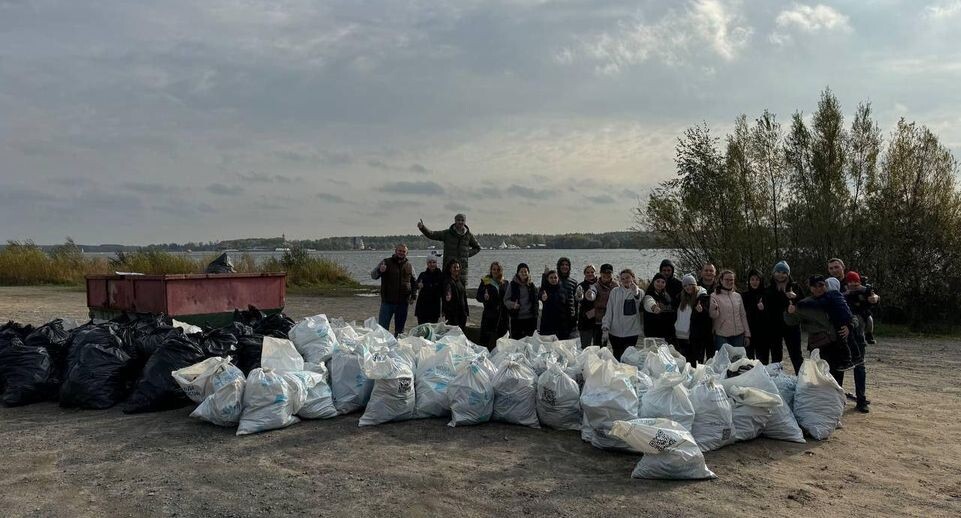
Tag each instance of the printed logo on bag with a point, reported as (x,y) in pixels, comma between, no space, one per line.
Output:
(403,385)
(725,434)
(662,441)
(548,396)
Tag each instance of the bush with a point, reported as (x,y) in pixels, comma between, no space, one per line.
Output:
(306,271)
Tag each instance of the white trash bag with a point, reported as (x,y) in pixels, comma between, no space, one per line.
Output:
(515,395)
(435,370)
(670,452)
(318,400)
(558,399)
(392,398)
(634,356)
(668,399)
(609,395)
(786,383)
(819,400)
(224,403)
(314,338)
(269,403)
(350,387)
(471,393)
(764,410)
(197,380)
(713,416)
(660,362)
(280,355)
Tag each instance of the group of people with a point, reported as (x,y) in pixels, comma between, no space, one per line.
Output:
(697,314)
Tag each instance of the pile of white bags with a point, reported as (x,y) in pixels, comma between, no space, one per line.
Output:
(392,398)
(270,402)
(558,399)
(758,408)
(515,394)
(670,451)
(471,393)
(819,400)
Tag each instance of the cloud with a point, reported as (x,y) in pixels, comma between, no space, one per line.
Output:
(151,188)
(676,38)
(378,164)
(456,207)
(332,198)
(418,168)
(431,188)
(256,177)
(601,199)
(530,192)
(225,190)
(943,10)
(808,19)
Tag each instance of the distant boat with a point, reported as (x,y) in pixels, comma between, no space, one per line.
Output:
(279,249)
(503,245)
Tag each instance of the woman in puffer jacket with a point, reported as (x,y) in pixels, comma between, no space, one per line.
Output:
(728,314)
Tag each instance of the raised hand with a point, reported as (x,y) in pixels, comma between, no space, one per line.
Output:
(760,305)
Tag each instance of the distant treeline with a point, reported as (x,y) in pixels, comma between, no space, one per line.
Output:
(624,239)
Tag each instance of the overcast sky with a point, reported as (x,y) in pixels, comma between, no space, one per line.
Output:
(177,120)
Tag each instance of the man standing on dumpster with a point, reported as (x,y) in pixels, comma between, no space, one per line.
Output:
(459,243)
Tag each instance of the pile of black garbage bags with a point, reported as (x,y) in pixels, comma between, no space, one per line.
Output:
(126,360)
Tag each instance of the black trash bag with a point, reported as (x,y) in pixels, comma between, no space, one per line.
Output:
(28,373)
(251,316)
(249,350)
(222,264)
(156,390)
(238,329)
(56,340)
(17,328)
(99,369)
(277,325)
(219,342)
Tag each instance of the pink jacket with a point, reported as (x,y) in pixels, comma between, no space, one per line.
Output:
(727,311)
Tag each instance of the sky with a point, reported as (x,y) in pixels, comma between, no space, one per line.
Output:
(174,121)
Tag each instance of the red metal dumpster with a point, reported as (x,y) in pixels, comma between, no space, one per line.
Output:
(194,298)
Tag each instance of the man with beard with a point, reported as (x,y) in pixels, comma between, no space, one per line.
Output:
(398,288)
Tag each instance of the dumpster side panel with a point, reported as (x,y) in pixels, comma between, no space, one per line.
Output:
(216,295)
(148,295)
(97,296)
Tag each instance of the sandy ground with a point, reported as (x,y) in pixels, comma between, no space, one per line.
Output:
(902,459)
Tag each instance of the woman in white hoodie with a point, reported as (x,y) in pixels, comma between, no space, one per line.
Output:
(622,320)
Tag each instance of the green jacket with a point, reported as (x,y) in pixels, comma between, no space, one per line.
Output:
(815,321)
(456,246)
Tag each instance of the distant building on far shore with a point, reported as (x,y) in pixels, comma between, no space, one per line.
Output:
(359,244)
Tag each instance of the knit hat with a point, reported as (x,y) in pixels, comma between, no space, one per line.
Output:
(814,280)
(833,284)
(607,268)
(657,276)
(522,265)
(782,267)
(852,276)
(688,280)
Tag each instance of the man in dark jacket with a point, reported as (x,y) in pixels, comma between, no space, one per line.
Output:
(430,288)
(459,242)
(397,289)
(674,287)
(568,322)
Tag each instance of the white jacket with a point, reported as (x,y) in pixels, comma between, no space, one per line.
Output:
(615,321)
(682,326)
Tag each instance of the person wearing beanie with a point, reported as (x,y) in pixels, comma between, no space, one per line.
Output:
(568,317)
(588,327)
(757,318)
(600,293)
(693,324)
(781,293)
(727,312)
(673,284)
(859,298)
(660,310)
(520,298)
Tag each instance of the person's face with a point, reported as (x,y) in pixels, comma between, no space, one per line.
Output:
(607,276)
(755,281)
(690,289)
(708,273)
(401,252)
(667,271)
(460,223)
(589,274)
(659,284)
(780,276)
(432,265)
(819,289)
(854,286)
(524,274)
(553,279)
(564,268)
(627,279)
(495,270)
(455,268)
(728,281)
(836,269)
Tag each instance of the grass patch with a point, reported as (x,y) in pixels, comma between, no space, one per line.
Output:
(25,264)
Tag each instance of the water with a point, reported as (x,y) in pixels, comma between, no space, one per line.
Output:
(359,263)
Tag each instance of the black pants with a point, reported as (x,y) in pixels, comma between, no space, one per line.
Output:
(772,349)
(620,343)
(591,336)
(523,327)
(693,350)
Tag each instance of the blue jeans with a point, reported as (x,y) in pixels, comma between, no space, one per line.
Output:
(399,314)
(736,341)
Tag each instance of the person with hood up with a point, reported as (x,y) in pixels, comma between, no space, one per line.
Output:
(660,310)
(455,296)
(781,293)
(673,283)
(693,324)
(554,313)
(757,319)
(568,321)
(599,294)
(495,320)
(727,312)
(520,300)
(430,283)
(622,319)
(397,289)
(588,327)
(459,242)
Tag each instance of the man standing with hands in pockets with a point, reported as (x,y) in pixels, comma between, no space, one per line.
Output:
(459,242)
(398,289)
